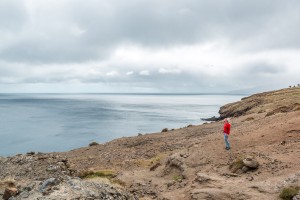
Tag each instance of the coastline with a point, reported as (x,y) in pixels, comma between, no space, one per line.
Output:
(73,121)
(186,163)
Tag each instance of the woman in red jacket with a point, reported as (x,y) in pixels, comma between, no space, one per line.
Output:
(226,132)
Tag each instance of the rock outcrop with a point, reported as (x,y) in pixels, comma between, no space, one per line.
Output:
(287,100)
(175,164)
(71,188)
(10,192)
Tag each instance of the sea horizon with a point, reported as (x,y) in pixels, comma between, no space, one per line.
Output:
(48,122)
(131,93)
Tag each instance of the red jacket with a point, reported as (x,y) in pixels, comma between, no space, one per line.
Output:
(226,128)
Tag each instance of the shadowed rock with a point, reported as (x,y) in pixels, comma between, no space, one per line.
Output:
(10,192)
(251,163)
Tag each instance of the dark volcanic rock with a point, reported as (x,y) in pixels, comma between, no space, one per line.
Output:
(10,192)
(211,119)
(239,108)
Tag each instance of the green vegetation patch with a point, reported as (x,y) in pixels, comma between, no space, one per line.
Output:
(177,178)
(288,193)
(108,174)
(101,174)
(236,165)
(156,159)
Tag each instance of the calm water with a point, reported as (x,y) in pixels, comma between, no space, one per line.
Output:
(60,122)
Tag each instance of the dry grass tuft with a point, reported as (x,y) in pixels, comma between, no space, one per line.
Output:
(288,193)
(94,174)
(8,182)
(236,165)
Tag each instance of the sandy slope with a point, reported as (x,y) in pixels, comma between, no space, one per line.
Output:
(268,129)
(191,163)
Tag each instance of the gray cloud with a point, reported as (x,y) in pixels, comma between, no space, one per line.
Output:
(51,35)
(45,42)
(262,68)
(13,15)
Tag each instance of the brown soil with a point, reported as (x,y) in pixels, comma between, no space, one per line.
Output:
(192,163)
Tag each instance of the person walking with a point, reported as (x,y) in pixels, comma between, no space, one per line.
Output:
(226,131)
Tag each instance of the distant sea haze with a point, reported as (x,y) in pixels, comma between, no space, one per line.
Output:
(61,122)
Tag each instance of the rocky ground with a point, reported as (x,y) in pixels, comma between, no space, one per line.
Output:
(187,163)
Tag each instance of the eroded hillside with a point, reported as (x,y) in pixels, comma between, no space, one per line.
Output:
(183,164)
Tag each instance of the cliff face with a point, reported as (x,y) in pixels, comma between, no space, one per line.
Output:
(182,164)
(281,101)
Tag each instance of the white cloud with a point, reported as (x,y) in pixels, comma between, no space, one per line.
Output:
(144,73)
(112,73)
(169,71)
(129,73)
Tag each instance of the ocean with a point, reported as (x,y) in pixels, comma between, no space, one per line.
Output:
(61,122)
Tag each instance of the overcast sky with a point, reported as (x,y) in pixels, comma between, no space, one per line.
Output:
(148,45)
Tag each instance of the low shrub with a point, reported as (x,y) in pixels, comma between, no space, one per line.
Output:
(288,193)
(108,174)
(8,182)
(236,165)
(177,178)
(101,174)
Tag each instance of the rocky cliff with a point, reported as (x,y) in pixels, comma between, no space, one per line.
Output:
(281,101)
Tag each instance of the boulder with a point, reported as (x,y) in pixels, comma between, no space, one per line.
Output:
(154,166)
(47,183)
(245,169)
(176,162)
(251,163)
(10,192)
(165,130)
(93,144)
(211,119)
(297,197)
